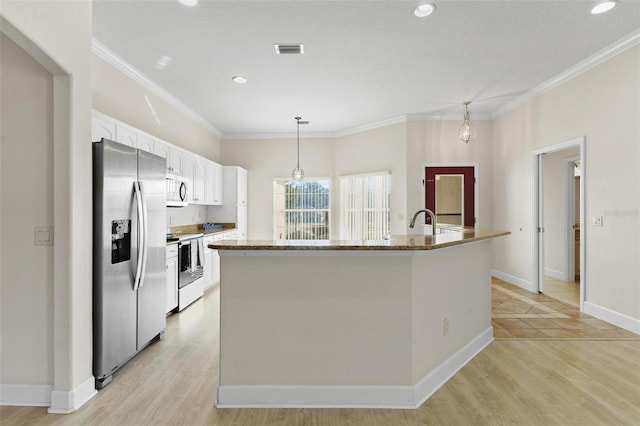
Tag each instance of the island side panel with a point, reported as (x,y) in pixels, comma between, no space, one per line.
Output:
(452,283)
(300,319)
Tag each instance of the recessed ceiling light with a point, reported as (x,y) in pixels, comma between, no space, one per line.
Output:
(189,3)
(603,6)
(163,62)
(424,10)
(238,79)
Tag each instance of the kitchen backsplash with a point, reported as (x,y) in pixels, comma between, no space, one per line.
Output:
(188,215)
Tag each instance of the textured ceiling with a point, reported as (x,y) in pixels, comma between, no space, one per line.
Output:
(364,61)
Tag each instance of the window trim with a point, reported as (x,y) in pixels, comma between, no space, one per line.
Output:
(327,179)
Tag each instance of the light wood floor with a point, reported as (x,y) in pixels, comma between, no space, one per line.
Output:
(564,291)
(511,382)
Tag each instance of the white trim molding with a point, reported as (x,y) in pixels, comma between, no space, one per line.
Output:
(104,53)
(65,402)
(612,317)
(512,279)
(558,275)
(371,126)
(25,395)
(592,61)
(404,397)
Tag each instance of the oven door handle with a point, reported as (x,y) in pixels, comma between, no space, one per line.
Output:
(136,280)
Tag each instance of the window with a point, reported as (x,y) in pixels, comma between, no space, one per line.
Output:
(364,206)
(301,209)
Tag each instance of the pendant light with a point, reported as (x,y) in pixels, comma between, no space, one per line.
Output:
(467,131)
(298,174)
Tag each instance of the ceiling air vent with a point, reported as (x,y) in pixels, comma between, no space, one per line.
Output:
(289,49)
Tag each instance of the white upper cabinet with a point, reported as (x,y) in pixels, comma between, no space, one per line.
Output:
(188,161)
(199,181)
(126,136)
(174,163)
(242,185)
(145,143)
(161,149)
(218,184)
(235,186)
(234,208)
(102,128)
(209,181)
(205,177)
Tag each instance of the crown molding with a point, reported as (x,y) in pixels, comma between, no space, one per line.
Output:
(252,136)
(104,53)
(592,61)
(475,116)
(371,126)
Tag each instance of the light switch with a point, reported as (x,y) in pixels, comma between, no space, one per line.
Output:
(597,221)
(43,236)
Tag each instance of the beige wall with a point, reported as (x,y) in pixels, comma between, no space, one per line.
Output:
(266,159)
(602,104)
(58,35)
(436,142)
(117,95)
(26,271)
(373,151)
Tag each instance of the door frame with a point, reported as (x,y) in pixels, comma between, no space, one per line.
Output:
(476,186)
(538,215)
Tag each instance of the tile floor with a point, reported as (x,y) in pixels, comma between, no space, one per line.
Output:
(519,314)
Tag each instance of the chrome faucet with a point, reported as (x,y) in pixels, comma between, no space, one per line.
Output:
(431,215)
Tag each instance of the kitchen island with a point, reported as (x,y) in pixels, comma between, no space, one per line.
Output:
(351,323)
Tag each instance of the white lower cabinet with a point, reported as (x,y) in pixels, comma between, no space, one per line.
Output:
(172,277)
(212,261)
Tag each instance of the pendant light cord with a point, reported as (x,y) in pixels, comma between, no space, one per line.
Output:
(298,137)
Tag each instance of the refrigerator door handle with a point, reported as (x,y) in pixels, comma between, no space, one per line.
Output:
(141,235)
(145,228)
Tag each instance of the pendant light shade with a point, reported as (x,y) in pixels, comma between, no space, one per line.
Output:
(467,131)
(298,174)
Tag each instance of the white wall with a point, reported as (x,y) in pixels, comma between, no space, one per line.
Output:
(189,215)
(555,211)
(373,151)
(266,159)
(436,142)
(58,35)
(117,95)
(26,188)
(602,104)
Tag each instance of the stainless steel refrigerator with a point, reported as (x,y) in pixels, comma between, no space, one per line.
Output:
(129,254)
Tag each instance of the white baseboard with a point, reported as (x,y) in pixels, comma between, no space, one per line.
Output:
(433,381)
(407,397)
(512,279)
(25,395)
(612,317)
(65,402)
(554,274)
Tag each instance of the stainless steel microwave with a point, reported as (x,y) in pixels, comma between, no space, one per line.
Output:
(177,187)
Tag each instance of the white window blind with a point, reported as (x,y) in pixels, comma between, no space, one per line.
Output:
(301,209)
(365,206)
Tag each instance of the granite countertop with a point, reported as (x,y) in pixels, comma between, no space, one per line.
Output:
(179,231)
(396,242)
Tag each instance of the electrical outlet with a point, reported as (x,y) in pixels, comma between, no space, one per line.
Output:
(597,221)
(445,326)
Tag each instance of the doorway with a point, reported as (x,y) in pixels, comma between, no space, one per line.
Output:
(558,212)
(450,194)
